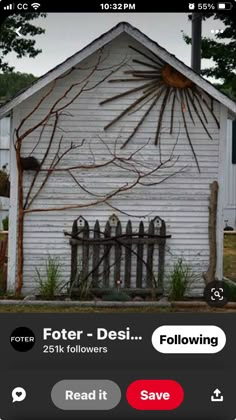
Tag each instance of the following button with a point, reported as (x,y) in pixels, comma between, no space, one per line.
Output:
(188,339)
(155,394)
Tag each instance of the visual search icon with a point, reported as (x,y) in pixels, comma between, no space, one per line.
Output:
(216,293)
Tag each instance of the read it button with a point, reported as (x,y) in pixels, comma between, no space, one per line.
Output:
(155,394)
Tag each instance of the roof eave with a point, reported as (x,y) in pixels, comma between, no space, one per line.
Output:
(99,43)
(62,68)
(182,68)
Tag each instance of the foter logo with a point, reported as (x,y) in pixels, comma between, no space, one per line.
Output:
(191,6)
(22,339)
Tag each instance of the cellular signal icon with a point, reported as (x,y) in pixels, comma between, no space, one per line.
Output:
(9,7)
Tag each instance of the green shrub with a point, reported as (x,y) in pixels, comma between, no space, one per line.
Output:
(231,290)
(49,283)
(180,279)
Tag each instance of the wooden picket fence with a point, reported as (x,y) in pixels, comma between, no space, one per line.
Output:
(134,261)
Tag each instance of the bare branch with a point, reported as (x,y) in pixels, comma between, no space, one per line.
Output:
(128,214)
(41,164)
(53,109)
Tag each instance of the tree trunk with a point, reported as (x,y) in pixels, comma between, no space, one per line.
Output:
(210,274)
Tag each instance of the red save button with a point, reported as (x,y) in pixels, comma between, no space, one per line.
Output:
(155,394)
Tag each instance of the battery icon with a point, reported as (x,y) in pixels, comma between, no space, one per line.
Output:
(224,6)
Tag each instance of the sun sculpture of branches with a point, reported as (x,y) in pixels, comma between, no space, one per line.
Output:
(165,84)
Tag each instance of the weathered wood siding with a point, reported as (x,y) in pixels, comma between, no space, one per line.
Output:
(182,200)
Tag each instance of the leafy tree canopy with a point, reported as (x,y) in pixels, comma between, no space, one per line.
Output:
(11,42)
(222,50)
(11,83)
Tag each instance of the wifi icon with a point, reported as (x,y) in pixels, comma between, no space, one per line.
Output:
(35,5)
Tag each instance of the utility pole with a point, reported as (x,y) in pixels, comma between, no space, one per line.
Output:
(196,42)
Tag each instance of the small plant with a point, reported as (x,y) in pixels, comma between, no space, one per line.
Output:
(84,287)
(5,223)
(49,283)
(11,294)
(180,279)
(81,287)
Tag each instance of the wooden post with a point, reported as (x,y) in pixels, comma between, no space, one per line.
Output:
(96,253)
(210,274)
(85,251)
(139,270)
(128,255)
(150,249)
(118,255)
(161,262)
(74,257)
(107,248)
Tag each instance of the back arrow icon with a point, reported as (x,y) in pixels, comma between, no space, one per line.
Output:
(18,31)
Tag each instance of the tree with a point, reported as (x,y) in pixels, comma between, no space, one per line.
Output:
(60,156)
(11,83)
(222,51)
(11,42)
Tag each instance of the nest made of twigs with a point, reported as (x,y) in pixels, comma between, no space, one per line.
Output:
(175,79)
(29,163)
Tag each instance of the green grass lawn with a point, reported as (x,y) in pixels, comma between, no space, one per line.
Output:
(230,256)
(71,310)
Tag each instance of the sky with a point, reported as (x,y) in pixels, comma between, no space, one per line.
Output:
(67,33)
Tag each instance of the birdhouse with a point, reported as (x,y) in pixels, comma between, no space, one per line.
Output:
(113,220)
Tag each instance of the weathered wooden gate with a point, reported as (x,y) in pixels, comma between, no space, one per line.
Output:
(134,260)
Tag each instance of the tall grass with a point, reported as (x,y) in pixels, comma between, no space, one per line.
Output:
(180,279)
(49,283)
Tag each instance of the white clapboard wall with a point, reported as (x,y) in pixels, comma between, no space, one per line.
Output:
(230,180)
(4,159)
(182,200)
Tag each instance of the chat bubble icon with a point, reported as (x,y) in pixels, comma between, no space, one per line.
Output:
(18,394)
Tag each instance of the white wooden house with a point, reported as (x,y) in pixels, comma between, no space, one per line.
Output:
(177,109)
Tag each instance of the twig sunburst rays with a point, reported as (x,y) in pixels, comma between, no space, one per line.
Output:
(162,84)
